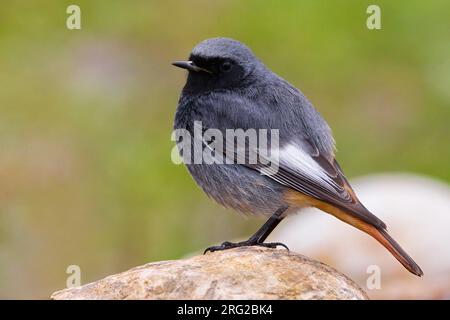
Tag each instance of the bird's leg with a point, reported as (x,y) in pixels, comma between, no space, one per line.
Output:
(258,238)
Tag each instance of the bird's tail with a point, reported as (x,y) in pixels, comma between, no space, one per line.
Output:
(380,234)
(389,243)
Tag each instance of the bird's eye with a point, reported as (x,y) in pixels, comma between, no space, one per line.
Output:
(226,66)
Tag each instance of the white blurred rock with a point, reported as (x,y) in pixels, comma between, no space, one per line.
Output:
(416,210)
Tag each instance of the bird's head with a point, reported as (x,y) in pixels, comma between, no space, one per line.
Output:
(218,63)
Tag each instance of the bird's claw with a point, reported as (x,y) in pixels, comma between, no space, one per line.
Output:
(229,245)
(272,245)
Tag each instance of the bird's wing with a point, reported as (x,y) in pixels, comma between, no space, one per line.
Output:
(314,176)
(298,164)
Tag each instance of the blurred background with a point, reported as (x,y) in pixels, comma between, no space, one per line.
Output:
(86,115)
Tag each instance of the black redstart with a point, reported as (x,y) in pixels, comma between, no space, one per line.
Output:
(229,88)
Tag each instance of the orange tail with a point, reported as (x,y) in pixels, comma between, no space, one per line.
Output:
(380,234)
(376,231)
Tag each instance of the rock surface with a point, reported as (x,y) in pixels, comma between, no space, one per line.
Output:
(241,273)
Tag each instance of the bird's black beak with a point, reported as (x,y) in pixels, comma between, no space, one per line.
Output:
(189,65)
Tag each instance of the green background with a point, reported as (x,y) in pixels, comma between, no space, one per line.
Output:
(86,117)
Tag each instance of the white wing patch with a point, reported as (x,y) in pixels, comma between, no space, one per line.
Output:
(298,160)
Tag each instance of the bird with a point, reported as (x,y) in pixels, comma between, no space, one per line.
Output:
(228,87)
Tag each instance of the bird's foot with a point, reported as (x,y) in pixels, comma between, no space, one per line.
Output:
(229,245)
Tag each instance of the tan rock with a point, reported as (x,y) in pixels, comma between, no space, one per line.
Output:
(241,273)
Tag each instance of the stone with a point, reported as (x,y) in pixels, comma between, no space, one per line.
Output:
(240,273)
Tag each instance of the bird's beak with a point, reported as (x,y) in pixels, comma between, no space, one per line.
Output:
(189,65)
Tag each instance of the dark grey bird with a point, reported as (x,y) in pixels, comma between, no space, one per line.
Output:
(227,87)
